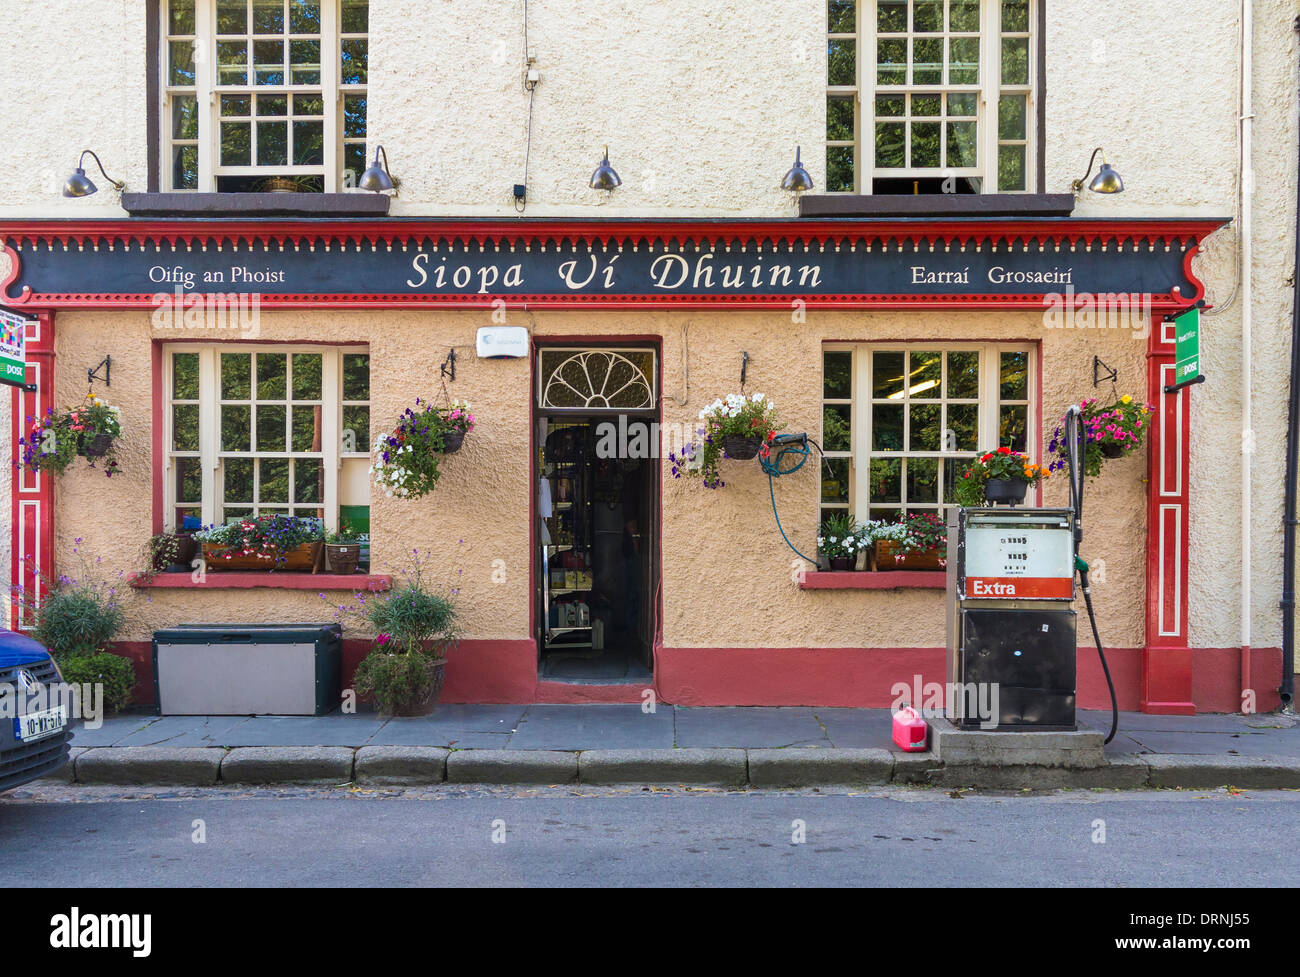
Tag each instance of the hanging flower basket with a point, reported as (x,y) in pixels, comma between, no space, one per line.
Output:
(90,430)
(741,448)
(457,421)
(740,427)
(1010,490)
(1110,431)
(97,446)
(1001,476)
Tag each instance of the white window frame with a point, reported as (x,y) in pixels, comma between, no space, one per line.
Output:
(990,87)
(210,454)
(207,93)
(861,453)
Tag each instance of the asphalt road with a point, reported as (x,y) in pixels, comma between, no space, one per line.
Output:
(89,837)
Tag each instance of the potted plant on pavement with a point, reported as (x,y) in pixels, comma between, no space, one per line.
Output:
(924,545)
(997,476)
(269,542)
(343,548)
(414,629)
(1110,431)
(738,427)
(76,618)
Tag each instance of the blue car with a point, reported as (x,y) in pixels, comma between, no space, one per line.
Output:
(34,731)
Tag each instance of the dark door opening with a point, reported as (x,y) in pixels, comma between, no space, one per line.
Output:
(598,541)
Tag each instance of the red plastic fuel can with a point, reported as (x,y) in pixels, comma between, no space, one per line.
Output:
(910,730)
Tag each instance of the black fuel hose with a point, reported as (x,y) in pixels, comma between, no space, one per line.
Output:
(1075,446)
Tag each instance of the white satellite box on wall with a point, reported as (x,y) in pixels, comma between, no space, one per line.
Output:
(502,342)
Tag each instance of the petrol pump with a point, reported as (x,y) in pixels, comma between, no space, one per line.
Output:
(1010,617)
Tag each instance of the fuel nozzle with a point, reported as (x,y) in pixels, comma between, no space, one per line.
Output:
(1081,568)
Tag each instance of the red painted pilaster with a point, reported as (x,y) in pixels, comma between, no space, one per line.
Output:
(1166,659)
(32,516)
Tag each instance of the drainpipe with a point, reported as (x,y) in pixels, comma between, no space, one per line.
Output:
(1246,190)
(1292,465)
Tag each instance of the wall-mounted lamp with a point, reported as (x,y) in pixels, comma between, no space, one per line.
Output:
(1106,180)
(376,178)
(80,185)
(797,179)
(604,178)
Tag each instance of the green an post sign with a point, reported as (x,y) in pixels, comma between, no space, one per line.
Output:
(1187,349)
(13,353)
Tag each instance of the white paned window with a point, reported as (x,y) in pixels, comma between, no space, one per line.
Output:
(900,422)
(930,96)
(259,429)
(260,90)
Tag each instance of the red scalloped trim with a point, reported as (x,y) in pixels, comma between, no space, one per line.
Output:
(394,233)
(1163,302)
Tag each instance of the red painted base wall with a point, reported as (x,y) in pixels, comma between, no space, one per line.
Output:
(505,671)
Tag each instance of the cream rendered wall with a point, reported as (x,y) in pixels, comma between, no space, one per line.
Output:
(728,577)
(701,104)
(71,88)
(1160,93)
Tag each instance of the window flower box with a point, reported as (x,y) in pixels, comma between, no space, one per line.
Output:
(303,557)
(890,555)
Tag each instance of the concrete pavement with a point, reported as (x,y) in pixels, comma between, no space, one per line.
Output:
(611,744)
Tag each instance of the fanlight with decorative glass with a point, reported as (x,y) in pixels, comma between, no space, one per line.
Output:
(597,379)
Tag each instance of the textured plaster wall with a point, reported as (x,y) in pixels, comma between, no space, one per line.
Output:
(728,577)
(701,104)
(68,93)
(1160,93)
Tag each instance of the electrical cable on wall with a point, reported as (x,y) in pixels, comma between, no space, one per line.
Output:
(530,86)
(686,375)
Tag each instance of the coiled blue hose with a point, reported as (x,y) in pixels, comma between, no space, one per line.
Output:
(776,466)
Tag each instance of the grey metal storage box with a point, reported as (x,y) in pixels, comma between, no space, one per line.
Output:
(248,670)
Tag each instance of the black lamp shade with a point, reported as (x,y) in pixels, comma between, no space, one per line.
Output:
(375,179)
(1106,180)
(604,177)
(797,179)
(78,184)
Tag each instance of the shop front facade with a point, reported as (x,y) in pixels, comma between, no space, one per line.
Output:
(257,347)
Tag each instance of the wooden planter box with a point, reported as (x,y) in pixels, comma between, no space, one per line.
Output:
(886,555)
(306,557)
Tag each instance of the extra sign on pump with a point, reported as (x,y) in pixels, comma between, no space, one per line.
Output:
(1019,561)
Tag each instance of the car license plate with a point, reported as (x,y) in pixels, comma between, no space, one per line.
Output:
(38,725)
